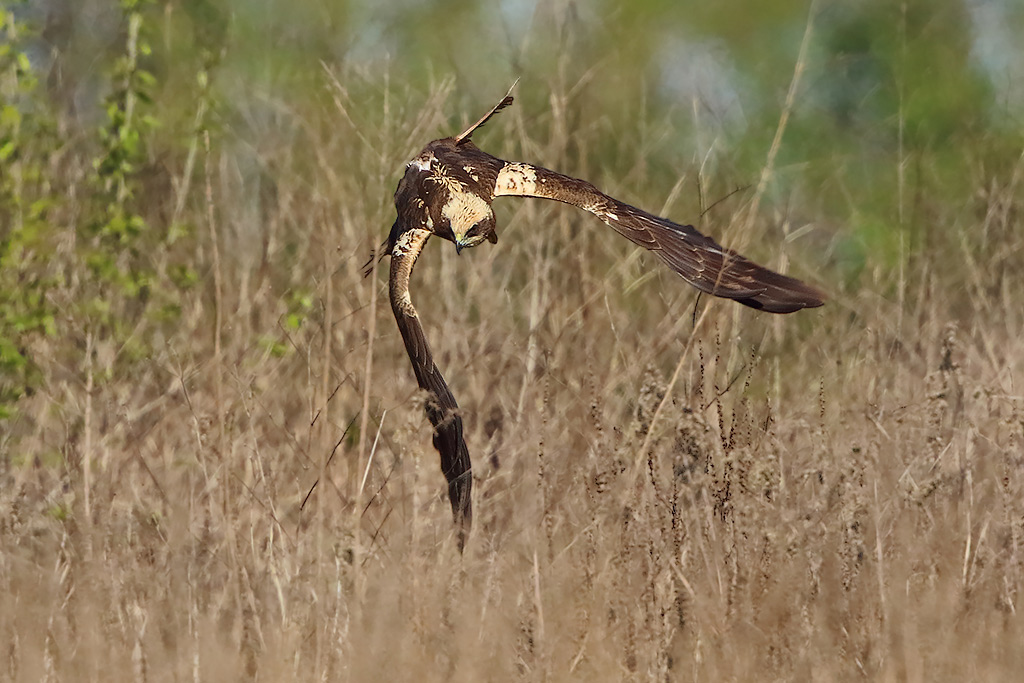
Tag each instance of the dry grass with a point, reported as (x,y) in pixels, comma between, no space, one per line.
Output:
(831,495)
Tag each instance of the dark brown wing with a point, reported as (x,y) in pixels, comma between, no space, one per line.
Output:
(442,410)
(699,259)
(465,135)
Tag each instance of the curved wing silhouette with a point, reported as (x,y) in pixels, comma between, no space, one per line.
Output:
(442,410)
(701,261)
(447,191)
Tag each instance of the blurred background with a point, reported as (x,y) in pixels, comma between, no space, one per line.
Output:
(876,141)
(190,189)
(896,101)
(902,114)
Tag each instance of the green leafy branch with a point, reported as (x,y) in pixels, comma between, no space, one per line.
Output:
(115,239)
(25,230)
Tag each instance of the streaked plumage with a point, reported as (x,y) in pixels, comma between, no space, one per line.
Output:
(447,191)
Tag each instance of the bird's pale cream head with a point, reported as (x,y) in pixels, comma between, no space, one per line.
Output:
(471,219)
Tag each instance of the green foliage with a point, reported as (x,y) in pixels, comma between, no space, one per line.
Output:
(116,238)
(25,231)
(120,283)
(300,303)
(130,279)
(273,347)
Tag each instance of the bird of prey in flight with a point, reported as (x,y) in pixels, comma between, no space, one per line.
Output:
(447,191)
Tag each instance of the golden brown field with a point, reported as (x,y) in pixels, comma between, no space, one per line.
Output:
(666,488)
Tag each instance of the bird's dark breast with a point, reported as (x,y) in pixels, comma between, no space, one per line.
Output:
(411,199)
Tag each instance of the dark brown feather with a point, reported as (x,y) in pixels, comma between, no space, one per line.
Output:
(441,408)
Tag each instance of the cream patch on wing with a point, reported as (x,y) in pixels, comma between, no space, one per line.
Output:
(599,207)
(405,304)
(408,239)
(407,249)
(516,179)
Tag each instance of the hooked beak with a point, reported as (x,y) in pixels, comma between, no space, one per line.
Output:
(459,246)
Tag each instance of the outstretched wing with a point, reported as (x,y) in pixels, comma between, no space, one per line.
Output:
(447,191)
(442,410)
(701,261)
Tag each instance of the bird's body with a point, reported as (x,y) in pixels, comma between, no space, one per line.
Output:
(447,191)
